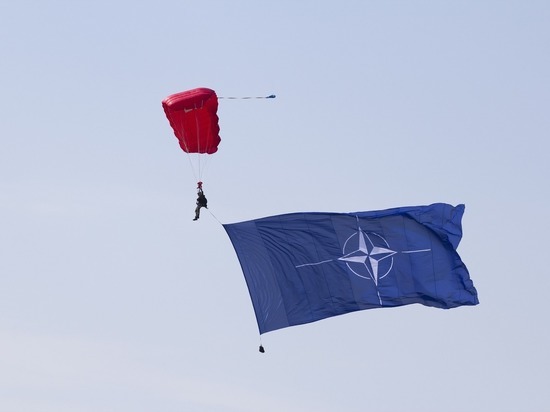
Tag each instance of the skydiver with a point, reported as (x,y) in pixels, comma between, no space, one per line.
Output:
(201,201)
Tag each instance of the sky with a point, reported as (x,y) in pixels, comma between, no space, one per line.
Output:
(113,299)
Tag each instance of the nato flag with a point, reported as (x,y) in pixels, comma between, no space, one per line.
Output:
(303,267)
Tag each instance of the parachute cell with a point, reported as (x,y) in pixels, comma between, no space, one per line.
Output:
(193,116)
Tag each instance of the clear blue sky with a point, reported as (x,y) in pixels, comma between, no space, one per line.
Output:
(113,299)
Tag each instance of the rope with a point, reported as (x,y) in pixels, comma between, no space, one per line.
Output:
(192,166)
(261,347)
(271,96)
(189,157)
(214,216)
(198,139)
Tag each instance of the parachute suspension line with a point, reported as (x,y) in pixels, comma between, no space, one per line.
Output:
(204,164)
(192,167)
(198,142)
(184,141)
(271,96)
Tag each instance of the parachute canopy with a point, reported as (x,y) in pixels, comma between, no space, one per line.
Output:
(193,116)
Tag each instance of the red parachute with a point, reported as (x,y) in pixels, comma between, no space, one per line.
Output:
(193,116)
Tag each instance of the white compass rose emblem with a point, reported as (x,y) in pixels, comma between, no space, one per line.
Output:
(367,255)
(372,259)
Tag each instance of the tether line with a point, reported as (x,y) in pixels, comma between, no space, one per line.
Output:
(217,220)
(271,96)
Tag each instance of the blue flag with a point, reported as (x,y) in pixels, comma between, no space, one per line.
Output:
(303,267)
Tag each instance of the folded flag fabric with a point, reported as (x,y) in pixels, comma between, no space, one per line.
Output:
(303,267)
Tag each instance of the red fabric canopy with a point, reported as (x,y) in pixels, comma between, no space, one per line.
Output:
(193,116)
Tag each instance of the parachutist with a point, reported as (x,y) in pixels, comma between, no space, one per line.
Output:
(201,201)
(262,350)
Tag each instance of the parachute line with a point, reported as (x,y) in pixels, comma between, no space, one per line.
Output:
(198,141)
(271,96)
(184,142)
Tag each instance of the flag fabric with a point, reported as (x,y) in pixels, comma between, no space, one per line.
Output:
(303,267)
